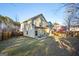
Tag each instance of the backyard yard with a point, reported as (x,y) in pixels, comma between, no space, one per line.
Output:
(26,46)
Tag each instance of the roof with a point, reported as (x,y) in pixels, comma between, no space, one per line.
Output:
(35,18)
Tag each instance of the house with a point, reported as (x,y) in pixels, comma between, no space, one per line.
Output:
(3,26)
(35,27)
(50,26)
(56,26)
(74,28)
(59,28)
(7,24)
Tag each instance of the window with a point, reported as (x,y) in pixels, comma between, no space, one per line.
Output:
(36,33)
(27,32)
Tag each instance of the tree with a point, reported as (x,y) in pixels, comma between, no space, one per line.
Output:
(9,22)
(72,15)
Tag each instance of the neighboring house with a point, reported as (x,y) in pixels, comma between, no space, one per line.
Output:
(50,26)
(59,28)
(35,27)
(8,27)
(3,26)
(74,28)
(56,26)
(7,24)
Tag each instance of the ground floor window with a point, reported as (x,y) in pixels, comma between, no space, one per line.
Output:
(36,33)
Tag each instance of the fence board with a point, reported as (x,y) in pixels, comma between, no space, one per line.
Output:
(0,35)
(6,35)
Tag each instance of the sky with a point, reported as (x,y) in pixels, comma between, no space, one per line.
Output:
(51,11)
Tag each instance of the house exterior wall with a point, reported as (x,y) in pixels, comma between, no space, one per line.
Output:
(22,27)
(31,32)
(47,30)
(40,22)
(37,22)
(44,22)
(74,28)
(29,27)
(40,32)
(3,26)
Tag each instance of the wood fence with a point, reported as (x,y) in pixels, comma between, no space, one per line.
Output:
(6,35)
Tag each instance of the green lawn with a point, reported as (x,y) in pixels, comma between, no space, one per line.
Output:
(26,46)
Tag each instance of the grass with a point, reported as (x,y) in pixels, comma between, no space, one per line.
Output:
(26,46)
